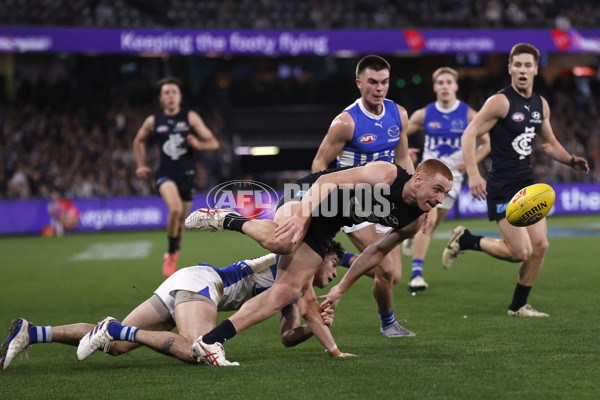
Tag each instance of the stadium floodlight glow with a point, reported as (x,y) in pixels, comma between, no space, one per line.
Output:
(264,151)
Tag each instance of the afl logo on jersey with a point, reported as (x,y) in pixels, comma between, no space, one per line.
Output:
(394,131)
(368,138)
(518,117)
(434,125)
(162,129)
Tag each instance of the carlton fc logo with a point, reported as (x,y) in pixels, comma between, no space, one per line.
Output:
(518,117)
(368,138)
(394,131)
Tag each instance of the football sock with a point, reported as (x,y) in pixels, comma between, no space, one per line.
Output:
(122,332)
(519,297)
(417,267)
(173,244)
(468,241)
(387,319)
(224,331)
(234,222)
(40,334)
(345,262)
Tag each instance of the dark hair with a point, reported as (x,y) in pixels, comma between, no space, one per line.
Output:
(374,62)
(524,48)
(166,81)
(337,249)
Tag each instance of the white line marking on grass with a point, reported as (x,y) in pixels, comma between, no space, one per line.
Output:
(115,251)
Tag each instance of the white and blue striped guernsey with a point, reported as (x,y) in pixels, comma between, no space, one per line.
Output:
(444,129)
(375,136)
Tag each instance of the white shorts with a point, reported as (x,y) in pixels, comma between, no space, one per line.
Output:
(378,227)
(197,279)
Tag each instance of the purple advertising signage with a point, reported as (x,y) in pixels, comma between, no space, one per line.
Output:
(290,43)
(132,213)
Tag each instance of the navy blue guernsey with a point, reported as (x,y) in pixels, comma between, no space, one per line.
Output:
(512,137)
(176,155)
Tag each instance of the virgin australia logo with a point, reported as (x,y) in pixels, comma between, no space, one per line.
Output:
(252,199)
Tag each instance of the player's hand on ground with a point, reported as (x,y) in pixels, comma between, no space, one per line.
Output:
(327,315)
(331,299)
(294,227)
(478,187)
(344,355)
(143,172)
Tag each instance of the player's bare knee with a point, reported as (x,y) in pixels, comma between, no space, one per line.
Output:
(279,247)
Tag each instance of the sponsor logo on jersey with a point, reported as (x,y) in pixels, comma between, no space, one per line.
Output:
(518,117)
(536,117)
(368,138)
(181,126)
(394,131)
(434,125)
(457,125)
(162,129)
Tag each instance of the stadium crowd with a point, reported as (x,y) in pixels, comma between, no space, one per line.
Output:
(310,14)
(86,150)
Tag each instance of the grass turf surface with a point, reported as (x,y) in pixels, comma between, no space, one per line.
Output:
(466,347)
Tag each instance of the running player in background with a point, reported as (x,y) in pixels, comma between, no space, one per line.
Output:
(179,133)
(372,128)
(444,122)
(513,117)
(188,300)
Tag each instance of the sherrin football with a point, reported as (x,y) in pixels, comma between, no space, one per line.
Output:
(530,205)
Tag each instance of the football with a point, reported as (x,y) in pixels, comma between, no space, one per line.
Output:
(530,205)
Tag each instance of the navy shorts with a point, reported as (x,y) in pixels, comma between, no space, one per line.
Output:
(499,193)
(185,185)
(321,230)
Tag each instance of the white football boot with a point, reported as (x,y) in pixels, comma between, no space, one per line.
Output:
(208,218)
(396,330)
(417,284)
(527,311)
(407,247)
(96,339)
(16,342)
(211,354)
(453,250)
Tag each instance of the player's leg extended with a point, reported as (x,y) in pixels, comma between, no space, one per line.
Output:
(144,317)
(177,212)
(293,271)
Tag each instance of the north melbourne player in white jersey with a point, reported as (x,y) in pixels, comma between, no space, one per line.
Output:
(444,122)
(188,300)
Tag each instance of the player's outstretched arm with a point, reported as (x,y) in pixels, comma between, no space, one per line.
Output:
(554,149)
(401,152)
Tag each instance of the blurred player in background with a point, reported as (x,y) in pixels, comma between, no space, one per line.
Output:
(513,117)
(444,121)
(188,300)
(372,128)
(179,133)
(64,214)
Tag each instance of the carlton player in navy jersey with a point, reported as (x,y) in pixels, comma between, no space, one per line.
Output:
(372,128)
(513,117)
(179,133)
(444,122)
(307,219)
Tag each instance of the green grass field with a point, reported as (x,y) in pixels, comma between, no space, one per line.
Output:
(466,347)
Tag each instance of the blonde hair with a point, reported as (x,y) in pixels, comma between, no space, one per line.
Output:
(445,70)
(434,166)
